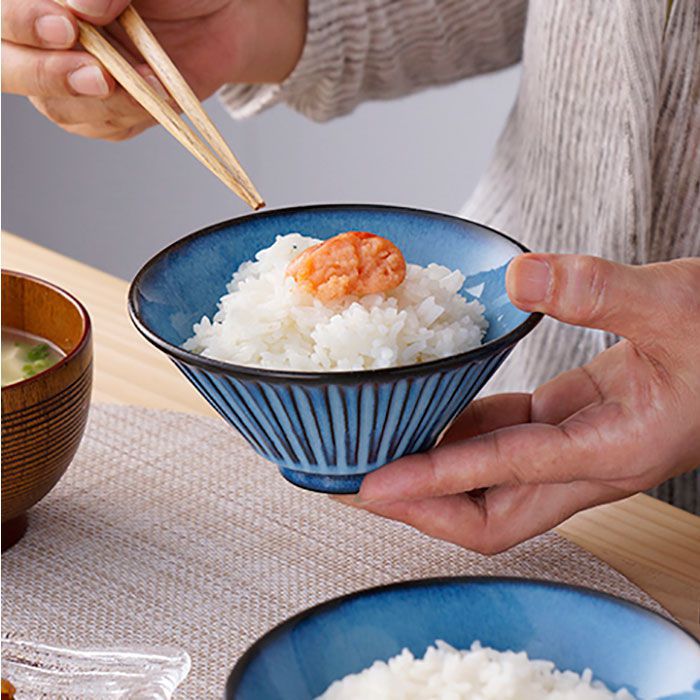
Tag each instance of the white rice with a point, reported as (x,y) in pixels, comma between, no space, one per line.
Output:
(265,320)
(480,673)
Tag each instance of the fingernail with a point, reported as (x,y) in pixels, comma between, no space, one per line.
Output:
(89,80)
(530,280)
(93,8)
(349,499)
(55,31)
(157,86)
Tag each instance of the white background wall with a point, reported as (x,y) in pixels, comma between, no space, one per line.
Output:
(114,205)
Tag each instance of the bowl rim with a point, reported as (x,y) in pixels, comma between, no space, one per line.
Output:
(315,377)
(237,672)
(79,346)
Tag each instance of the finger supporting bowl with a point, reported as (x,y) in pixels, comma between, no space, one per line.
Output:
(325,431)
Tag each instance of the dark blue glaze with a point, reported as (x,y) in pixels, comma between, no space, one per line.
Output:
(625,645)
(326,430)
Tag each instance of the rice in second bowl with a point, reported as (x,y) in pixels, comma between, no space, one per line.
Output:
(478,673)
(266,320)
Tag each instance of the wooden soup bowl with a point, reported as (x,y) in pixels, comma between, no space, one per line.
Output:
(43,417)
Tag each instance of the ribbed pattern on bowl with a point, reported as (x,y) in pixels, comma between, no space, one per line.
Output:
(327,436)
(38,444)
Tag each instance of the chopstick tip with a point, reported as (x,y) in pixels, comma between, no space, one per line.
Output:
(259,204)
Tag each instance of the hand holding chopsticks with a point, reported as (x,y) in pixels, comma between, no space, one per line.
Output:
(220,160)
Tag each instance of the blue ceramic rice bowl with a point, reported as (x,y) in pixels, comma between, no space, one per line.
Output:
(325,431)
(624,644)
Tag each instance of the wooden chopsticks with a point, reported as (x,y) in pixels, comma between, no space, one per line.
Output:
(220,160)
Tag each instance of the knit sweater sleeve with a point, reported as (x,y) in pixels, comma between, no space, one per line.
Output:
(360,50)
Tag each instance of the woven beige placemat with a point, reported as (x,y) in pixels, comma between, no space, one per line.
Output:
(168,529)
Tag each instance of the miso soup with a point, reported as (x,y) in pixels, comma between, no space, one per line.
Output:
(24,355)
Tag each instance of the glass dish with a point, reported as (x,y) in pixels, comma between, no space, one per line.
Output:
(44,671)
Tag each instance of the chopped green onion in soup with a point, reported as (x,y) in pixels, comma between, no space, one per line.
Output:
(25,355)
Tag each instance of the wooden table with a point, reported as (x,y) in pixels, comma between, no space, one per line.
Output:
(654,544)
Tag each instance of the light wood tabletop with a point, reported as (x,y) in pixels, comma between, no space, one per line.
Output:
(655,545)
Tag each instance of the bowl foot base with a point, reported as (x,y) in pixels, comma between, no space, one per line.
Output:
(323,483)
(13,531)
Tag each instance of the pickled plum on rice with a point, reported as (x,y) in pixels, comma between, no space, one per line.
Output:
(351,263)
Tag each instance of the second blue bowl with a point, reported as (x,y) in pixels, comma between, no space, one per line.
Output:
(576,628)
(325,431)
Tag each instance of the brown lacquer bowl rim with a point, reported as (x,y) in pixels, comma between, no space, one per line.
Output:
(79,346)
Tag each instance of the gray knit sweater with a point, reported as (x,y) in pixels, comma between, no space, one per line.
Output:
(600,155)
